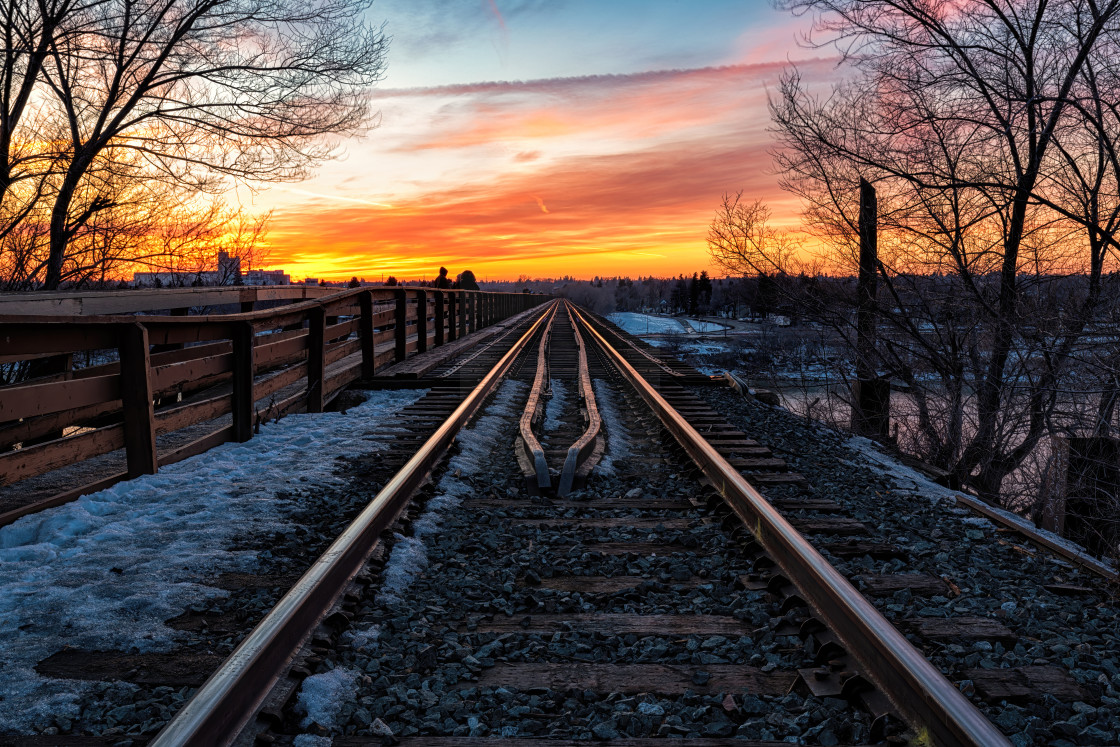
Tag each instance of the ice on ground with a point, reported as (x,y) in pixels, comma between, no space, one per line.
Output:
(700,326)
(106,571)
(618,437)
(647,324)
(554,407)
(409,556)
(321,697)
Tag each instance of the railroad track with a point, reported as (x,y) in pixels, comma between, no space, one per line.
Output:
(642,544)
(490,593)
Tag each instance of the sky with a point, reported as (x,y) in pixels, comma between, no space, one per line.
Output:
(547,138)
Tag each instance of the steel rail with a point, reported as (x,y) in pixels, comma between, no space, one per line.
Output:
(926,699)
(532,446)
(226,702)
(584,445)
(651,358)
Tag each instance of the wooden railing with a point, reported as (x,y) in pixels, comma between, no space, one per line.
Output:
(177,301)
(166,373)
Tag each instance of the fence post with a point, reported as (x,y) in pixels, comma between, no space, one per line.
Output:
(401,328)
(365,331)
(463,313)
(242,393)
(441,318)
(452,323)
(421,321)
(316,345)
(136,397)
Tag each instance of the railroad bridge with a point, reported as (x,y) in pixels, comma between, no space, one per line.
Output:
(438,517)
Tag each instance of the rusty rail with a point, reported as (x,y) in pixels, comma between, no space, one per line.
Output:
(226,702)
(929,701)
(583,448)
(533,451)
(62,416)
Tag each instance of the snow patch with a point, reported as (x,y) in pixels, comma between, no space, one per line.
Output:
(700,326)
(618,437)
(321,697)
(409,557)
(646,324)
(554,408)
(309,740)
(104,572)
(909,479)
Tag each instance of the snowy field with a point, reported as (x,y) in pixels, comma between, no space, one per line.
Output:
(646,324)
(700,326)
(106,571)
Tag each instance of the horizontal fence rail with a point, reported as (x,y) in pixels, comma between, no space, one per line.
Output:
(152,375)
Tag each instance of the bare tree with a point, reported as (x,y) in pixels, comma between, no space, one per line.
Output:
(192,91)
(741,239)
(983,125)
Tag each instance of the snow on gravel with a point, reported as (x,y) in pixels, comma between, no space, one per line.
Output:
(321,696)
(618,437)
(476,444)
(643,324)
(409,557)
(104,572)
(910,479)
(554,408)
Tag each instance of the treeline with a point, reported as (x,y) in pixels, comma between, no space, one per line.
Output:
(698,294)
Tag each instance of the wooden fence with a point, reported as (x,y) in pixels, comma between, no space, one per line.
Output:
(172,372)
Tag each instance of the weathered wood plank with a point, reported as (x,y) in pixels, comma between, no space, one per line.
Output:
(514,742)
(177,669)
(292,346)
(170,377)
(608,522)
(958,627)
(316,364)
(828,525)
(35,460)
(241,396)
(919,584)
(610,585)
(630,548)
(137,400)
(1026,683)
(34,400)
(196,412)
(31,428)
(771,463)
(661,679)
(619,624)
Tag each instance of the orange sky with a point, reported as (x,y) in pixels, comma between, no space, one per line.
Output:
(612,173)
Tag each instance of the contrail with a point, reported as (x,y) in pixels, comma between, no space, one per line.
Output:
(297,190)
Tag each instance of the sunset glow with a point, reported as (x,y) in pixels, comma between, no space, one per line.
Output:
(511,148)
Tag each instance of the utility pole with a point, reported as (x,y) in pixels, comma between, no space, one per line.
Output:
(871,396)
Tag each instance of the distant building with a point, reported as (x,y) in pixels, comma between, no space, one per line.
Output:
(227,273)
(266,277)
